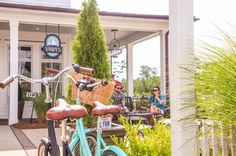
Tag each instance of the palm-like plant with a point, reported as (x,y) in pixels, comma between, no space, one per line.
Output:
(215,81)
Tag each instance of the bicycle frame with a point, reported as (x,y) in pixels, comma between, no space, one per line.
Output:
(101,143)
(51,131)
(80,135)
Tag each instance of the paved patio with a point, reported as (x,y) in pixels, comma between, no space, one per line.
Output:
(9,145)
(22,142)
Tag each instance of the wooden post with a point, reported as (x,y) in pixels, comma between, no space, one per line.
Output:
(232,142)
(214,140)
(198,138)
(205,139)
(224,142)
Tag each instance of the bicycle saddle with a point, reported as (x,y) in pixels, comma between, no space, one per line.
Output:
(101,109)
(64,110)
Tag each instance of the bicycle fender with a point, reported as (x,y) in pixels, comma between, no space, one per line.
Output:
(115,149)
(45,141)
(47,144)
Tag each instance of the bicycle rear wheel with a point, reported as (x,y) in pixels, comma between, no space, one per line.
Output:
(41,150)
(92,145)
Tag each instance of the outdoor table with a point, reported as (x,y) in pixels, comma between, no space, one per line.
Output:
(135,116)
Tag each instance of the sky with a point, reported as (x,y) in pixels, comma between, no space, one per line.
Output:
(212,13)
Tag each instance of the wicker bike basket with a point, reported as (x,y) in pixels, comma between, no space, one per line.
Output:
(99,93)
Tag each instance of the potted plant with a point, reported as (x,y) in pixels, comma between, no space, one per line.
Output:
(40,107)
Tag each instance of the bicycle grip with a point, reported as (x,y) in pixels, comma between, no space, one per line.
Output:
(83,70)
(104,82)
(51,71)
(6,82)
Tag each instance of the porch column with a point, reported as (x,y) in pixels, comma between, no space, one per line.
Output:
(130,83)
(13,109)
(183,131)
(163,62)
(36,63)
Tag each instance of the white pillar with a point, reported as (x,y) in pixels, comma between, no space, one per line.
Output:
(183,133)
(36,64)
(4,106)
(130,87)
(163,62)
(14,24)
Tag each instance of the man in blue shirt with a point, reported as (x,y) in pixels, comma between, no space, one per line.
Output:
(156,101)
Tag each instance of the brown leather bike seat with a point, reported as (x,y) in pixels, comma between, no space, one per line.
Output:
(101,109)
(64,110)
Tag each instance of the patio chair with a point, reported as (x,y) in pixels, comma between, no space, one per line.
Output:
(129,103)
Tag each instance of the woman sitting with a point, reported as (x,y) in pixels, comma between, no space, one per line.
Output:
(156,101)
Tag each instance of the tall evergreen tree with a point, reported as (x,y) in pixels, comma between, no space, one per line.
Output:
(89,47)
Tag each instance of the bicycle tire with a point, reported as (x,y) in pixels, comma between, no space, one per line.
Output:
(109,153)
(92,145)
(41,150)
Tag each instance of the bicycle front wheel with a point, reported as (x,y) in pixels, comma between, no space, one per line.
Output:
(109,153)
(41,150)
(92,145)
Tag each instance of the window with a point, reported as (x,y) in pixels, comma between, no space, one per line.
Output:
(24,67)
(54,64)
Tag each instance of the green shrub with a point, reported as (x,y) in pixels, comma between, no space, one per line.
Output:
(154,141)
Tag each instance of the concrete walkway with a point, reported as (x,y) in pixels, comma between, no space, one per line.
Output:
(17,142)
(35,135)
(9,145)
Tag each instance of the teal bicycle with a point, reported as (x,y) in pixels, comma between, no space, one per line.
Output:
(82,142)
(49,146)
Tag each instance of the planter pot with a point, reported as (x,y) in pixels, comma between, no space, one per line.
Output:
(40,120)
(21,105)
(107,133)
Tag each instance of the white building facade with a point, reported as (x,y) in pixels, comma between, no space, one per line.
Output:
(23,28)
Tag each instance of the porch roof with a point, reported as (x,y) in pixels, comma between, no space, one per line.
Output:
(71,10)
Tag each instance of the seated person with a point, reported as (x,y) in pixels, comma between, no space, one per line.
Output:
(156,101)
(119,98)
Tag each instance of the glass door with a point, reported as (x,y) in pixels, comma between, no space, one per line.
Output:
(56,86)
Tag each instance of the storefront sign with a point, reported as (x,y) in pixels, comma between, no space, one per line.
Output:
(31,95)
(52,46)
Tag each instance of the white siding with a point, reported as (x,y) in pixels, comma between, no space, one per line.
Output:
(49,3)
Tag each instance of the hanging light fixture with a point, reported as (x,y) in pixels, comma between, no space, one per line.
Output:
(114,46)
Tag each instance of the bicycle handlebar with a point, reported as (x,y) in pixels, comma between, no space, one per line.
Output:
(76,67)
(85,84)
(103,82)
(10,79)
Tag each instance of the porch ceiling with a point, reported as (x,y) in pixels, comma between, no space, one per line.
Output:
(121,35)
